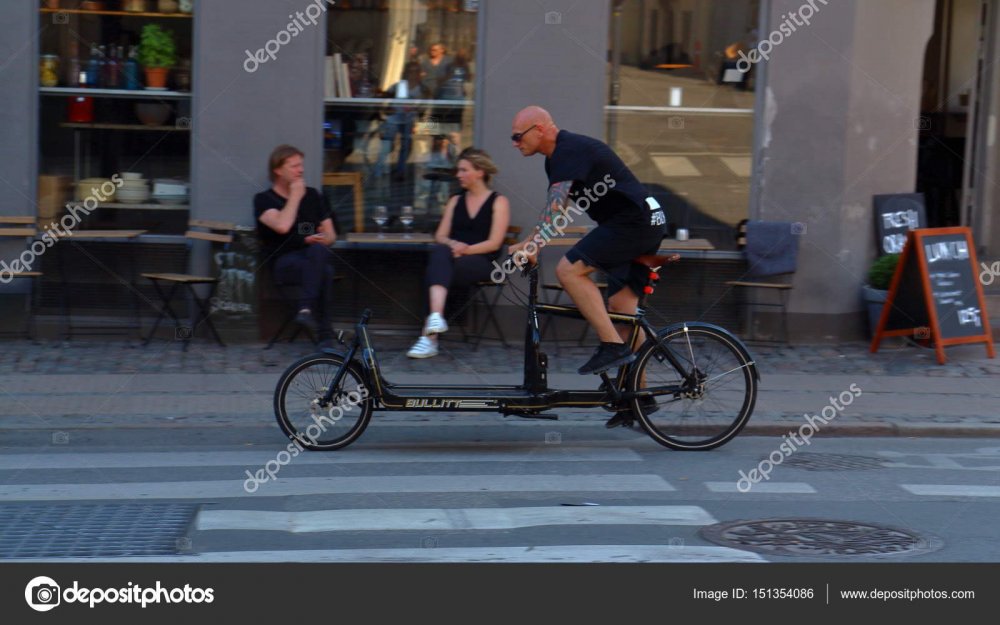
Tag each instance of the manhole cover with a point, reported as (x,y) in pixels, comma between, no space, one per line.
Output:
(832,462)
(817,537)
(93,530)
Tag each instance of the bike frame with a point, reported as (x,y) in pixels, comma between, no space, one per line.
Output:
(526,399)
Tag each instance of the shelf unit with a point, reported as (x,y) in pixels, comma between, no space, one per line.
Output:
(149,94)
(133,127)
(146,206)
(119,13)
(117,23)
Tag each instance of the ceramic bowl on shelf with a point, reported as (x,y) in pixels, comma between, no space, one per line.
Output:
(96,187)
(171,199)
(132,197)
(153,113)
(131,175)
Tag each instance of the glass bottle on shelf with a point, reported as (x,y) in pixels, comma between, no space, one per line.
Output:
(132,69)
(112,72)
(73,67)
(93,66)
(102,59)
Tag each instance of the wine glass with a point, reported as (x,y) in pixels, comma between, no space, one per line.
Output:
(406,218)
(380,217)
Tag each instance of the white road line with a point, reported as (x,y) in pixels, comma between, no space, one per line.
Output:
(458,452)
(797,488)
(212,489)
(439,519)
(545,553)
(952,490)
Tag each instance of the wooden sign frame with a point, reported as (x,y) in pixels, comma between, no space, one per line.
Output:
(914,245)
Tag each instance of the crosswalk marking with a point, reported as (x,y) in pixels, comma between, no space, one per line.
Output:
(211,489)
(519,554)
(952,490)
(458,452)
(401,519)
(798,488)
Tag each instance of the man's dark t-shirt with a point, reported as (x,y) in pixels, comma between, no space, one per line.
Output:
(594,167)
(311,214)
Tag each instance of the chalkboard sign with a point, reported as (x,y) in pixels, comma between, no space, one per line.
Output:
(895,215)
(935,292)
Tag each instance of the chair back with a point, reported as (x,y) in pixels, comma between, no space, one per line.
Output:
(17,226)
(513,235)
(772,248)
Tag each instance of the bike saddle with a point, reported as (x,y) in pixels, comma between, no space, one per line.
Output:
(654,262)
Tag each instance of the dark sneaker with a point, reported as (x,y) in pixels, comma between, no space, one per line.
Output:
(305,318)
(607,356)
(627,416)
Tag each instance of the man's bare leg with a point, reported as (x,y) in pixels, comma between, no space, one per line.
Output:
(627,303)
(575,279)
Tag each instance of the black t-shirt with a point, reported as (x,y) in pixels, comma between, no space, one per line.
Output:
(311,214)
(615,194)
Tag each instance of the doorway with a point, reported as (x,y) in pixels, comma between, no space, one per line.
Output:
(952,111)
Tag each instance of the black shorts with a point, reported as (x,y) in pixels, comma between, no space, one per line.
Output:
(611,249)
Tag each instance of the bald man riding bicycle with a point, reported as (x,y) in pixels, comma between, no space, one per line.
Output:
(630,223)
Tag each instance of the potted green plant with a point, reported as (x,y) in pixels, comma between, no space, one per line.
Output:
(877,290)
(157,54)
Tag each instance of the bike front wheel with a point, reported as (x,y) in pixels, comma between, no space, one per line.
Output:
(304,417)
(703,382)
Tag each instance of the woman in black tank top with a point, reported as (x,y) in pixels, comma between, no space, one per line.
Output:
(471,232)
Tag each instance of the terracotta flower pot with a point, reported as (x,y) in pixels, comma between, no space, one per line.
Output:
(156,77)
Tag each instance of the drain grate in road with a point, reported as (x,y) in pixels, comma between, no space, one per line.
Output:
(832,462)
(93,530)
(817,537)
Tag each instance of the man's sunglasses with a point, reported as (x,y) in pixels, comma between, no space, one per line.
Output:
(516,137)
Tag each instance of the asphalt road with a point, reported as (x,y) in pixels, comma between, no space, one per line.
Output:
(493,490)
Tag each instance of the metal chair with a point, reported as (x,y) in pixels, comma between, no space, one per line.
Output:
(772,251)
(479,299)
(218,233)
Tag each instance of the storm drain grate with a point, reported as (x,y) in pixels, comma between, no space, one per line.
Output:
(832,462)
(93,530)
(817,537)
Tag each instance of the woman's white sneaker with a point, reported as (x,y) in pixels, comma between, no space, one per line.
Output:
(423,348)
(435,324)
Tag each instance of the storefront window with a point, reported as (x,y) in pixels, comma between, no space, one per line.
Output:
(104,114)
(680,112)
(399,94)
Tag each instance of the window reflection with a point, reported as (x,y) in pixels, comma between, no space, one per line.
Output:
(680,112)
(399,93)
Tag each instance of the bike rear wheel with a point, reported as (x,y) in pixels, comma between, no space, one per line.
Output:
(304,418)
(714,387)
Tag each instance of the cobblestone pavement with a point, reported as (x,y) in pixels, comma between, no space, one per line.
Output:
(896,358)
